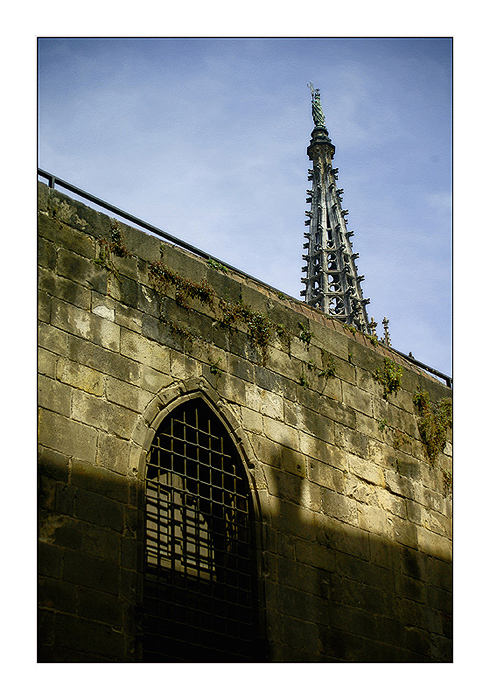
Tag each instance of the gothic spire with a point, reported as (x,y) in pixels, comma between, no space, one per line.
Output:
(332,281)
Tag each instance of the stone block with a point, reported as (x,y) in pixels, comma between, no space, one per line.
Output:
(66,236)
(67,436)
(65,498)
(99,510)
(360,490)
(293,461)
(101,607)
(337,412)
(100,542)
(46,363)
(113,453)
(89,477)
(278,432)
(98,358)
(408,587)
(64,289)
(52,339)
(53,395)
(153,381)
(80,377)
(267,380)
(404,532)
(339,645)
(357,399)
(88,636)
(57,595)
(302,636)
(68,534)
(46,253)
(130,553)
(392,503)
(281,363)
(383,553)
(413,563)
(251,420)
(374,520)
(315,554)
(339,507)
(293,520)
(79,268)
(145,351)
(440,573)
(440,599)
(49,559)
(85,325)
(101,414)
(352,620)
(434,544)
(127,395)
(264,402)
(46,493)
(398,484)
(282,484)
(417,641)
(365,470)
(43,306)
(323,474)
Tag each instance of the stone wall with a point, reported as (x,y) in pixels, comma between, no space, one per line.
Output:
(354,518)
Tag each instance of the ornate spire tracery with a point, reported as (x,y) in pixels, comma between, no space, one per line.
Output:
(332,280)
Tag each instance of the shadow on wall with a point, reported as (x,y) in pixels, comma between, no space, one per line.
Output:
(332,592)
(340,593)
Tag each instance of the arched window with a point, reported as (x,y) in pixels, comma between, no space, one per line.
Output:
(199,582)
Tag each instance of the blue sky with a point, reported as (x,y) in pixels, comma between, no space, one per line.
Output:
(207,138)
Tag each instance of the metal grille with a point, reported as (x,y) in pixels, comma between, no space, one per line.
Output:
(199,581)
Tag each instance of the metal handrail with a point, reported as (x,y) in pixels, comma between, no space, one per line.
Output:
(53,181)
(410,358)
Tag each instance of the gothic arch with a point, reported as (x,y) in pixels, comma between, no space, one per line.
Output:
(200,532)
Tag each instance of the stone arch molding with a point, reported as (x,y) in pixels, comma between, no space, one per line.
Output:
(165,402)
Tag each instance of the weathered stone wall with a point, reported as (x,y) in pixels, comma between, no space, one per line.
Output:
(354,520)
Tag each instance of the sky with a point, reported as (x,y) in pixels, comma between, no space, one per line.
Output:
(206,139)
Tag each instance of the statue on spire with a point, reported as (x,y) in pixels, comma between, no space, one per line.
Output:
(316,107)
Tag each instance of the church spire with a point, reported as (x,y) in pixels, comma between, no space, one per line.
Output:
(332,282)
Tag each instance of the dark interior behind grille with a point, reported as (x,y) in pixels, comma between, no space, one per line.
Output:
(199,582)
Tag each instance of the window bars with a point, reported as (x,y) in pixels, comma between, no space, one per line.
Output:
(199,592)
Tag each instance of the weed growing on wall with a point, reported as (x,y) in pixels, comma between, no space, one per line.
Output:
(434,422)
(217,266)
(185,289)
(306,335)
(261,329)
(110,247)
(399,438)
(389,377)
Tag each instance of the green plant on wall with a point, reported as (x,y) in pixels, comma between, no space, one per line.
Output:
(303,380)
(110,247)
(389,377)
(217,265)
(216,369)
(329,366)
(261,329)
(177,330)
(305,335)
(399,438)
(433,424)
(185,289)
(285,336)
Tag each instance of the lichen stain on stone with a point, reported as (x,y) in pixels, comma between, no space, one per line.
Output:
(104,312)
(49,525)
